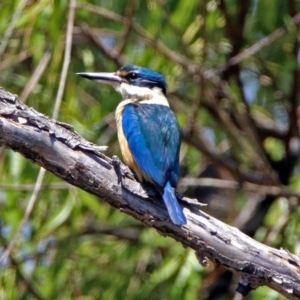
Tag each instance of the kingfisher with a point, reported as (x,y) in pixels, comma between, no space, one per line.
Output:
(148,130)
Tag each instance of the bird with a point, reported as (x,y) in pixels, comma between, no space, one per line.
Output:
(148,130)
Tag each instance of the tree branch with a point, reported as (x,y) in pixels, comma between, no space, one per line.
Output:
(55,147)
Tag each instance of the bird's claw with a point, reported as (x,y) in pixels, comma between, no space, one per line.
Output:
(121,170)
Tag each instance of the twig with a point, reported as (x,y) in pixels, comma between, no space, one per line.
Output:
(190,66)
(5,63)
(69,36)
(198,141)
(243,134)
(123,40)
(277,190)
(34,79)
(27,214)
(251,50)
(11,24)
(193,114)
(293,135)
(32,201)
(111,53)
(182,46)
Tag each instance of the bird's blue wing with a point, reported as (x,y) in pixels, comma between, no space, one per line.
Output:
(153,136)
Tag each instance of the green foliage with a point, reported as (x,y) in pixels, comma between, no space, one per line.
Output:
(75,246)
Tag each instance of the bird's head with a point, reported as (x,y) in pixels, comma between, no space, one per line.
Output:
(132,81)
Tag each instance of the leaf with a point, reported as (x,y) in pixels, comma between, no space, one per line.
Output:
(57,218)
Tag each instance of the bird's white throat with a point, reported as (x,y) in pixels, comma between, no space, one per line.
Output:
(132,93)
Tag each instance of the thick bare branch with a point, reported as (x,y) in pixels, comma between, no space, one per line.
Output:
(55,147)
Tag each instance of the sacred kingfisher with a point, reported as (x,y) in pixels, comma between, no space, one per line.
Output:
(148,130)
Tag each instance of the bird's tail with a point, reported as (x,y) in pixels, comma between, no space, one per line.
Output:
(174,209)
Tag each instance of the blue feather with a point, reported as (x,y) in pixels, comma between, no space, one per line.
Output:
(153,135)
(155,144)
(174,209)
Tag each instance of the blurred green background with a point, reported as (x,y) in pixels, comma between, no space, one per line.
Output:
(239,117)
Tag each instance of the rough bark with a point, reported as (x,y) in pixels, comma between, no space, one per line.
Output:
(54,146)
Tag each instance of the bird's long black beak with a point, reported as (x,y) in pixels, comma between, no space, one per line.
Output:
(108,78)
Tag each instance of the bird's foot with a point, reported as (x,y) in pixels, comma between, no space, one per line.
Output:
(121,170)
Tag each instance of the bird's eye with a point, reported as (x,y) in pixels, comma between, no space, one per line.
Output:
(132,75)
